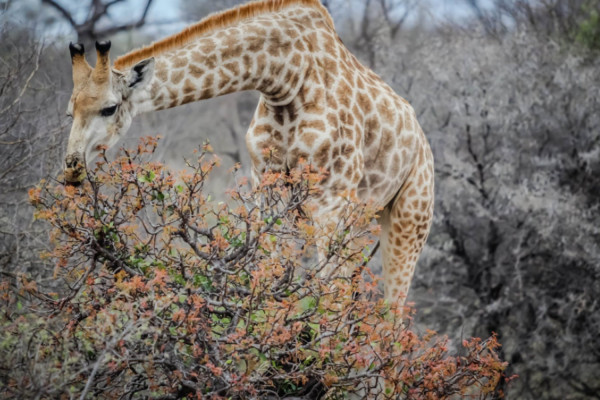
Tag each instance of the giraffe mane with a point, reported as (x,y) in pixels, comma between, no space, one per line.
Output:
(212,22)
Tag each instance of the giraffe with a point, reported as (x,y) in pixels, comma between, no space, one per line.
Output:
(317,103)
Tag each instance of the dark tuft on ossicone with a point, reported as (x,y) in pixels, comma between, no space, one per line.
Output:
(103,47)
(76,49)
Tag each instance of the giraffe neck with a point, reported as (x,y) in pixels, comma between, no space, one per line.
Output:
(253,55)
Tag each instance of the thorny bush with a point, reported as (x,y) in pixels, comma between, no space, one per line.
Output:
(166,295)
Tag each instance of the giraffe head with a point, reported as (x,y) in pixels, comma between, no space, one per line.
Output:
(102,106)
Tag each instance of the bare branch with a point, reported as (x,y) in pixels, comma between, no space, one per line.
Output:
(27,81)
(139,23)
(63,11)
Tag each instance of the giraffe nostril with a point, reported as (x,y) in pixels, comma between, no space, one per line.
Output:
(73,161)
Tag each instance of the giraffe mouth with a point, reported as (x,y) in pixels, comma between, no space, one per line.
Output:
(75,170)
(74,176)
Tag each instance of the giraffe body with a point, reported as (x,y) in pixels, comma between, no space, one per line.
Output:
(317,103)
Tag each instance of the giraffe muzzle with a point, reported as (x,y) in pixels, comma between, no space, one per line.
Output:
(74,169)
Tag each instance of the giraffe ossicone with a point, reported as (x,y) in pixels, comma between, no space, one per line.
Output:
(317,103)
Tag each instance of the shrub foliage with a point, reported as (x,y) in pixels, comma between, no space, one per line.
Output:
(160,293)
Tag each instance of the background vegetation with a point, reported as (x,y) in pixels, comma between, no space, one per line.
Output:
(508,97)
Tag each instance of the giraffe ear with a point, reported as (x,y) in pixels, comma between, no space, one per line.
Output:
(141,74)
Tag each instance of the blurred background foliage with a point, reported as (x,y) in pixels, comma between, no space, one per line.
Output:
(507,92)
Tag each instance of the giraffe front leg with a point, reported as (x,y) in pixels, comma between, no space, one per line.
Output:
(405,225)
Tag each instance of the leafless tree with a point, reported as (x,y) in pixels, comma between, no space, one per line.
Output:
(541,16)
(514,245)
(89,29)
(380,20)
(31,137)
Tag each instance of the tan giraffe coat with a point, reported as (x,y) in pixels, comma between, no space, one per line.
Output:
(317,103)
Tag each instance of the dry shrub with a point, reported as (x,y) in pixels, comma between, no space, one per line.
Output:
(164,294)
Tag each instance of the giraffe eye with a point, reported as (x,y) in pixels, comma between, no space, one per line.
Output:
(108,111)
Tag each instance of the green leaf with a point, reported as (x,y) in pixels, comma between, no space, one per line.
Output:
(148,177)
(203,282)
(178,278)
(315,328)
(236,242)
(308,303)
